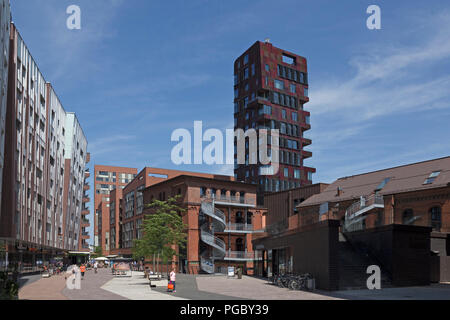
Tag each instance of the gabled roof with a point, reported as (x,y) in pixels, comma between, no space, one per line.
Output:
(405,178)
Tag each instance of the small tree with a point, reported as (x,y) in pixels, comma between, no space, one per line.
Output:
(161,231)
(98,252)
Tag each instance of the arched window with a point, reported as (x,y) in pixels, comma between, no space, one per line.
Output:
(408,216)
(239,217)
(436,218)
(239,244)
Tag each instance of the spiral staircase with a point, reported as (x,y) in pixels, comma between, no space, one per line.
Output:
(216,247)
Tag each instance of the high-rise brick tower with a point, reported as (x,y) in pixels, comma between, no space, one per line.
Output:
(271,89)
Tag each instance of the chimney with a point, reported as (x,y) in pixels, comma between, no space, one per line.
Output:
(339,192)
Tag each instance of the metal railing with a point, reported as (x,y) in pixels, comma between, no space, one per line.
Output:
(363,203)
(210,239)
(230,199)
(239,227)
(240,255)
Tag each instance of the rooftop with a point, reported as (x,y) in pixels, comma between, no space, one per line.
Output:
(412,177)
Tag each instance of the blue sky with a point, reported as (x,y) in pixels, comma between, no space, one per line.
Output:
(139,69)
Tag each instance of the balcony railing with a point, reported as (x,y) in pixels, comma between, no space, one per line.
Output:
(241,255)
(239,227)
(363,203)
(230,199)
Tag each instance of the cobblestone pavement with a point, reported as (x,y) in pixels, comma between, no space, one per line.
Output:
(187,288)
(44,289)
(91,287)
(136,287)
(254,289)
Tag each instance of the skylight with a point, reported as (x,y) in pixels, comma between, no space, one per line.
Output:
(382,184)
(432,177)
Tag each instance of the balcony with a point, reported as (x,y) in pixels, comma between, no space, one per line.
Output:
(241,256)
(86,187)
(86,199)
(85,212)
(306,154)
(87,174)
(306,142)
(241,228)
(231,200)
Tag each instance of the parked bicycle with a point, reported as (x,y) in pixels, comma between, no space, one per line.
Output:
(291,281)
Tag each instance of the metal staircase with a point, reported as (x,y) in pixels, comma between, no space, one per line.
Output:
(217,248)
(357,212)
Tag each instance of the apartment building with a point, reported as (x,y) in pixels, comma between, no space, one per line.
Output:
(222,218)
(270,91)
(74,182)
(84,236)
(107,178)
(45,151)
(127,206)
(5,21)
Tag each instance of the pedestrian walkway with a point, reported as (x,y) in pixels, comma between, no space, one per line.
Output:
(136,287)
(432,292)
(251,288)
(44,289)
(91,287)
(187,288)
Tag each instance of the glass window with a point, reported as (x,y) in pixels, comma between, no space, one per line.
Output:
(286,172)
(408,216)
(253,69)
(279,84)
(267,68)
(305,92)
(284,114)
(246,73)
(292,87)
(436,218)
(276,97)
(294,116)
(432,177)
(245,59)
(288,59)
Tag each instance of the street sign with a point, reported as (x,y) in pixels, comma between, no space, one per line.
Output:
(231,271)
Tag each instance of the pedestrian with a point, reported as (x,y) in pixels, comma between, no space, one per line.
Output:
(82,270)
(173,278)
(95,266)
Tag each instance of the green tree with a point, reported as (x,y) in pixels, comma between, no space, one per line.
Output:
(98,252)
(162,229)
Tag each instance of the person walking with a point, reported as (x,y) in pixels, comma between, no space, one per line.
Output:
(82,270)
(173,278)
(95,266)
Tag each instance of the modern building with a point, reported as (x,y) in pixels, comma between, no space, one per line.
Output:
(74,183)
(5,21)
(222,218)
(127,206)
(397,219)
(270,91)
(42,166)
(84,236)
(107,178)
